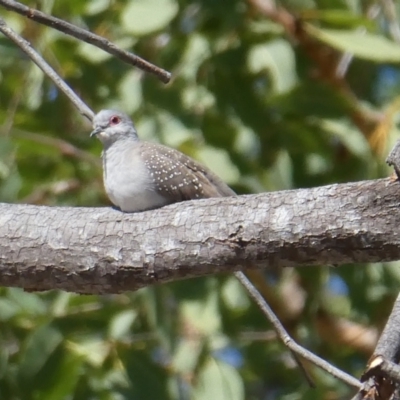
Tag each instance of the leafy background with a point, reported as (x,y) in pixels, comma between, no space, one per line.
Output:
(266,101)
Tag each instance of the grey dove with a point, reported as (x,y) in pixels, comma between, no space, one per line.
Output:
(141,176)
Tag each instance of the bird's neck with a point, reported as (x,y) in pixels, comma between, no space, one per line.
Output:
(121,143)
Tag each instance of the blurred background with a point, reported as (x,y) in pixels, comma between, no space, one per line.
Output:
(270,96)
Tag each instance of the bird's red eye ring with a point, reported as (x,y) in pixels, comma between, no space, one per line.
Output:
(115,120)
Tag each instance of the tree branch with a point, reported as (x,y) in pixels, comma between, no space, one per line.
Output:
(87,37)
(388,345)
(382,376)
(288,341)
(101,250)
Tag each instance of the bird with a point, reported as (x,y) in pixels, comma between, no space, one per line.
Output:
(140,176)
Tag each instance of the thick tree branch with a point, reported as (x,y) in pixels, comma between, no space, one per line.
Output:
(102,250)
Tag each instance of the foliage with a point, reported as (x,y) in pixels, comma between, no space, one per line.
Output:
(257,104)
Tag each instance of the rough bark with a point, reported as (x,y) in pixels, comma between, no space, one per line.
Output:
(388,345)
(101,250)
(382,377)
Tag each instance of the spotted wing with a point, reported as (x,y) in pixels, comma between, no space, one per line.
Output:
(179,178)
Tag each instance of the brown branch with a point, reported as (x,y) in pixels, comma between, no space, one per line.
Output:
(86,36)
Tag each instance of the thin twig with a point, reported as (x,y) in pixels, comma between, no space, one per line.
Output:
(295,348)
(263,305)
(88,37)
(26,47)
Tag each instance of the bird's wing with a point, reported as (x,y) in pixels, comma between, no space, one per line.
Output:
(179,177)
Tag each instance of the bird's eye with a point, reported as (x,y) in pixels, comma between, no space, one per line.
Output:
(115,120)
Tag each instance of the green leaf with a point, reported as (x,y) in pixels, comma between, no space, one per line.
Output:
(40,345)
(234,295)
(3,362)
(60,304)
(130,90)
(218,380)
(148,380)
(363,45)
(186,356)
(197,50)
(277,57)
(60,378)
(203,314)
(343,18)
(142,17)
(121,324)
(280,175)
(217,160)
(93,7)
(94,351)
(7,309)
(29,303)
(351,137)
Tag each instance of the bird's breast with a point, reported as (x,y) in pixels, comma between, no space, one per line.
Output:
(127,180)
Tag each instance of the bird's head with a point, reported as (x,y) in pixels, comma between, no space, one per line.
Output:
(110,126)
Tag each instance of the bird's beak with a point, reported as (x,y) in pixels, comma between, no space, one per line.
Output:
(95,131)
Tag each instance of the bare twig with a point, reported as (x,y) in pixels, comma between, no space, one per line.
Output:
(295,348)
(267,311)
(49,71)
(88,37)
